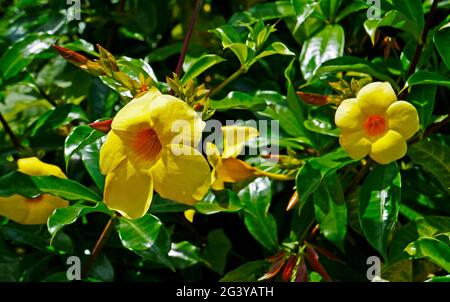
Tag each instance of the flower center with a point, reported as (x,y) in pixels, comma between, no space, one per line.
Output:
(375,125)
(147,144)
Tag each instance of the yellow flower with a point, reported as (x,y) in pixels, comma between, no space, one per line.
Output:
(376,123)
(226,167)
(33,210)
(151,147)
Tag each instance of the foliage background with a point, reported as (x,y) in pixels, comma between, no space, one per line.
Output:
(45,100)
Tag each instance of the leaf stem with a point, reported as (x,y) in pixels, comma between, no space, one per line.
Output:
(420,45)
(227,81)
(15,141)
(99,245)
(188,36)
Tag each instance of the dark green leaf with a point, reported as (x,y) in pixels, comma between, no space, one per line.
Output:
(379,205)
(184,254)
(80,137)
(423,96)
(139,234)
(442,42)
(428,77)
(201,65)
(216,251)
(247,272)
(238,100)
(431,248)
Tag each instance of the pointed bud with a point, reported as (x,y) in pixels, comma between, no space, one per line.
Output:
(314,98)
(289,267)
(71,56)
(313,260)
(103,126)
(292,201)
(302,272)
(277,256)
(273,270)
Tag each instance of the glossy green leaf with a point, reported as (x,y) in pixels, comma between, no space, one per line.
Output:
(263,11)
(159,251)
(276,48)
(349,63)
(434,158)
(428,77)
(238,100)
(330,7)
(431,248)
(216,251)
(33,186)
(312,173)
(442,41)
(65,216)
(201,65)
(326,45)
(413,10)
(247,272)
(162,205)
(422,97)
(21,54)
(331,210)
(139,234)
(184,254)
(260,223)
(322,127)
(80,137)
(379,205)
(303,9)
(217,202)
(90,156)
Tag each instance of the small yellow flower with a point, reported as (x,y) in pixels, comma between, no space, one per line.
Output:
(146,150)
(33,210)
(376,123)
(226,167)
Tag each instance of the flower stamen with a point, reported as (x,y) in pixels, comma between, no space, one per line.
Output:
(375,125)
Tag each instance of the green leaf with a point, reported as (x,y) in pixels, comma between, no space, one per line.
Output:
(263,11)
(90,156)
(427,226)
(247,272)
(442,41)
(379,205)
(139,234)
(423,98)
(134,67)
(427,77)
(216,251)
(321,126)
(434,158)
(80,137)
(201,65)
(312,173)
(276,48)
(331,211)
(217,202)
(330,8)
(159,251)
(184,254)
(326,45)
(413,10)
(394,19)
(401,271)
(66,216)
(431,248)
(238,100)
(162,205)
(20,54)
(303,9)
(349,63)
(33,186)
(351,8)
(260,223)
(162,53)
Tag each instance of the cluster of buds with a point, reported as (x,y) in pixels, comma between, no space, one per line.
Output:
(293,266)
(106,65)
(195,96)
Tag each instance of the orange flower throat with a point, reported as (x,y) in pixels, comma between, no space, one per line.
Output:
(147,144)
(375,125)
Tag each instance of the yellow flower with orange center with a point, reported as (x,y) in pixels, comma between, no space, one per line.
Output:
(151,147)
(33,210)
(375,123)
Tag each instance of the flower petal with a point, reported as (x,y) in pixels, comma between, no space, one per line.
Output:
(112,153)
(355,144)
(234,170)
(348,115)
(389,148)
(234,139)
(182,174)
(212,154)
(128,191)
(403,118)
(175,122)
(375,98)
(33,166)
(39,211)
(135,115)
(14,207)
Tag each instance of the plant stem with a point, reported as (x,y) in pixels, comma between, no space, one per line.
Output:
(187,38)
(227,81)
(431,130)
(99,246)
(10,133)
(276,176)
(46,96)
(420,45)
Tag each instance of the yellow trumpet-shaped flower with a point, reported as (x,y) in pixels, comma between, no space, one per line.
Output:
(375,123)
(151,147)
(33,210)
